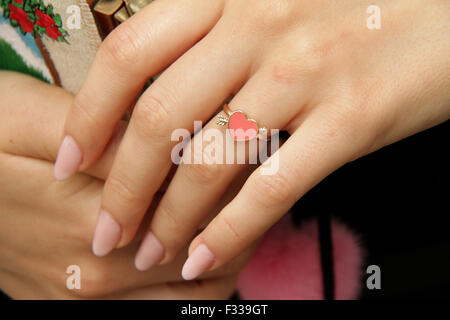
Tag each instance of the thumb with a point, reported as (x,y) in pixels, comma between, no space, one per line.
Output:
(32,121)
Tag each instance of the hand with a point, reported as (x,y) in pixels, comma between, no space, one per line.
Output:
(44,224)
(309,67)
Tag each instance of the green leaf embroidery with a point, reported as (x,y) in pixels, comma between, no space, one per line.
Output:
(57,19)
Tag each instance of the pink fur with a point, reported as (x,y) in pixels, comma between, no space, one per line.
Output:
(286,264)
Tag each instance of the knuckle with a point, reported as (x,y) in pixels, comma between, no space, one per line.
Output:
(364,125)
(96,280)
(153,116)
(289,69)
(122,47)
(311,50)
(273,190)
(56,279)
(79,231)
(313,59)
(233,231)
(353,110)
(172,230)
(81,113)
(272,15)
(204,173)
(235,265)
(120,191)
(173,225)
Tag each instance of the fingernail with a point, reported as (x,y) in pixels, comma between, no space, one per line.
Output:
(68,160)
(198,262)
(149,254)
(106,235)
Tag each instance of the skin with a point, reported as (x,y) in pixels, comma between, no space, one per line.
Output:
(43,223)
(312,68)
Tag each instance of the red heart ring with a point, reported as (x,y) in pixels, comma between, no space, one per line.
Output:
(240,126)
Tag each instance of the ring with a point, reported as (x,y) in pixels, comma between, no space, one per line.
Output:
(240,126)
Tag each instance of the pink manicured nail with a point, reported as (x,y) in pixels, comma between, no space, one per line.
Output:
(68,160)
(106,235)
(198,262)
(149,254)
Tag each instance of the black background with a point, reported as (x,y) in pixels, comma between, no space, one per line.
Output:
(397,201)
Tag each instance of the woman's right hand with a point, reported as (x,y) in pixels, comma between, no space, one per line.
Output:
(44,223)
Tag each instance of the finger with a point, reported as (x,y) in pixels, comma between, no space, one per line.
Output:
(45,119)
(99,272)
(191,89)
(178,216)
(213,289)
(70,204)
(316,149)
(135,51)
(32,124)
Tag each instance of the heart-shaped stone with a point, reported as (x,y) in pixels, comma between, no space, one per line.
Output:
(242,128)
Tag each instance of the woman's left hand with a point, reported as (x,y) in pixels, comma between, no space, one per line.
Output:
(312,68)
(44,223)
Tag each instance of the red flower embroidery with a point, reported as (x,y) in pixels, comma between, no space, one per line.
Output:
(16,13)
(29,16)
(47,22)
(26,25)
(44,19)
(53,32)
(21,16)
